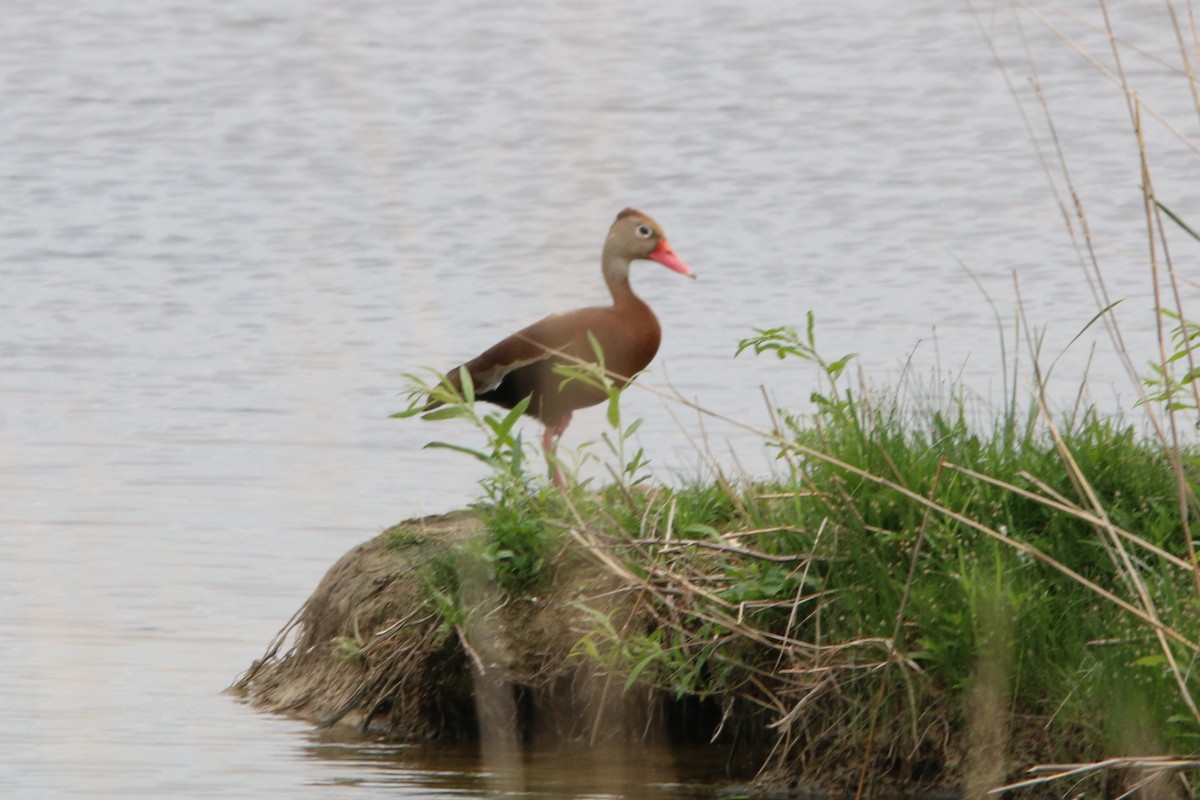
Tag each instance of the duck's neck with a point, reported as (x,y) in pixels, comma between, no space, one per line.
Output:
(616,275)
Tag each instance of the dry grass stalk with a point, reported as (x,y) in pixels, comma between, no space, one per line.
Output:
(1049,773)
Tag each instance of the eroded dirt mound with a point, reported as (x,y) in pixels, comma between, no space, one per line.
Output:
(368,648)
(407,636)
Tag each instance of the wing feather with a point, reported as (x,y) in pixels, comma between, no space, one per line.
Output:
(541,340)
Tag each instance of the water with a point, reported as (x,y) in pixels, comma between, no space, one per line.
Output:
(227,229)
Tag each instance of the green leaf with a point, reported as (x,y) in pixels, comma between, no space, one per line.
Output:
(468,385)
(504,426)
(639,668)
(836,368)
(698,530)
(1178,221)
(1183,353)
(1092,321)
(638,461)
(597,349)
(600,618)
(589,374)
(588,647)
(484,457)
(447,412)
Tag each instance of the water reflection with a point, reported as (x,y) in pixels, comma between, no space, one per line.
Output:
(456,770)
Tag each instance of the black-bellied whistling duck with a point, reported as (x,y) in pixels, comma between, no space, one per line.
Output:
(627,331)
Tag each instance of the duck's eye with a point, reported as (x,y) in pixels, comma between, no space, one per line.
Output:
(644,231)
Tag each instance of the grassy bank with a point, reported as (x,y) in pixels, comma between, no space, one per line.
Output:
(922,596)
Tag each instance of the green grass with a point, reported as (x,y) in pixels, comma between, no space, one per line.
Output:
(1055,622)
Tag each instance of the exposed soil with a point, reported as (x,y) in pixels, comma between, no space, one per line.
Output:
(373,649)
(408,677)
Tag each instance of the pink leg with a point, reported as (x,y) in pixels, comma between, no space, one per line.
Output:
(550,443)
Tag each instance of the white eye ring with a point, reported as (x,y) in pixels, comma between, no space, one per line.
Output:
(644,231)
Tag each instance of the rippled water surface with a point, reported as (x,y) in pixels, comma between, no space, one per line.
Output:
(227,229)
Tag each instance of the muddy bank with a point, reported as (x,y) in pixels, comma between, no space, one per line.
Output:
(407,636)
(382,646)
(366,649)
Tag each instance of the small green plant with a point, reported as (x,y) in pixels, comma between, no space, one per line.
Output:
(1177,392)
(504,452)
(619,442)
(349,648)
(400,538)
(784,341)
(668,660)
(514,548)
(519,544)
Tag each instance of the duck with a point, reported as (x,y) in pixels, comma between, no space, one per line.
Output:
(626,332)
